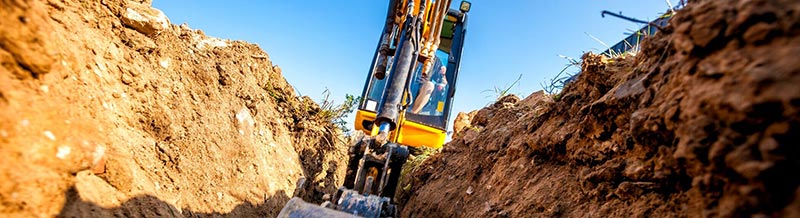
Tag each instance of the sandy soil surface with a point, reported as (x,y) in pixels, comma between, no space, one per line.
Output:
(107,109)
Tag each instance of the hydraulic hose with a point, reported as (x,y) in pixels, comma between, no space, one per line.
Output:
(404,61)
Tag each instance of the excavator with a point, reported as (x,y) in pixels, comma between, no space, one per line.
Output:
(405,106)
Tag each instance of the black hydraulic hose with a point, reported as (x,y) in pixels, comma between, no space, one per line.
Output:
(383,48)
(393,95)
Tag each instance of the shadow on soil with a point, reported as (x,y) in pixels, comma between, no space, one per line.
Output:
(150,206)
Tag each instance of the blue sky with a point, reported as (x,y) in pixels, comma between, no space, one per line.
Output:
(330,44)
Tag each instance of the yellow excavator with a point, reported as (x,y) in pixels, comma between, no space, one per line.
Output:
(406,103)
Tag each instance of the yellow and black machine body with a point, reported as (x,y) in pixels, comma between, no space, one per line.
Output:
(406,102)
(436,56)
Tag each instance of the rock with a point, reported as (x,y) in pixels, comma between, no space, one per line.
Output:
(630,190)
(209,42)
(759,32)
(635,170)
(502,213)
(470,135)
(63,151)
(533,99)
(513,99)
(100,166)
(99,159)
(462,121)
(164,63)
(49,135)
(482,117)
(27,39)
(145,19)
(752,169)
(244,122)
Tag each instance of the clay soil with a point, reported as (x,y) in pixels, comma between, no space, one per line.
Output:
(703,122)
(102,118)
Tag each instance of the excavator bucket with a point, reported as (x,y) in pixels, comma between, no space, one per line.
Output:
(297,208)
(349,203)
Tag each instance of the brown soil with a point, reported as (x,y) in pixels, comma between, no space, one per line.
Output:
(705,122)
(102,117)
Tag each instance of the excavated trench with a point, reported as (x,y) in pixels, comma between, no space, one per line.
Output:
(107,109)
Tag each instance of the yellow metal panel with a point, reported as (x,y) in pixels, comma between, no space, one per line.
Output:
(415,135)
(409,133)
(362,115)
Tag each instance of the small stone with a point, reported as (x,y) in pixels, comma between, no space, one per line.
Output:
(752,169)
(100,167)
(44,88)
(98,159)
(98,154)
(145,19)
(116,95)
(164,63)
(107,106)
(63,151)
(49,135)
(244,121)
(469,190)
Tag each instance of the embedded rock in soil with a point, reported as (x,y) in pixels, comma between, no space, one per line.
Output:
(145,19)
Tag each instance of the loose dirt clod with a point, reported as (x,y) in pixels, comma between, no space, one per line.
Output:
(704,122)
(106,109)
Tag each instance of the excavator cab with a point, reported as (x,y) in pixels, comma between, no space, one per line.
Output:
(428,126)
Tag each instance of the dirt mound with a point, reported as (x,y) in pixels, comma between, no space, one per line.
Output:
(107,109)
(705,121)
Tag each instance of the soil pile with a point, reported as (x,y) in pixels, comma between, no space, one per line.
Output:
(107,109)
(704,121)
